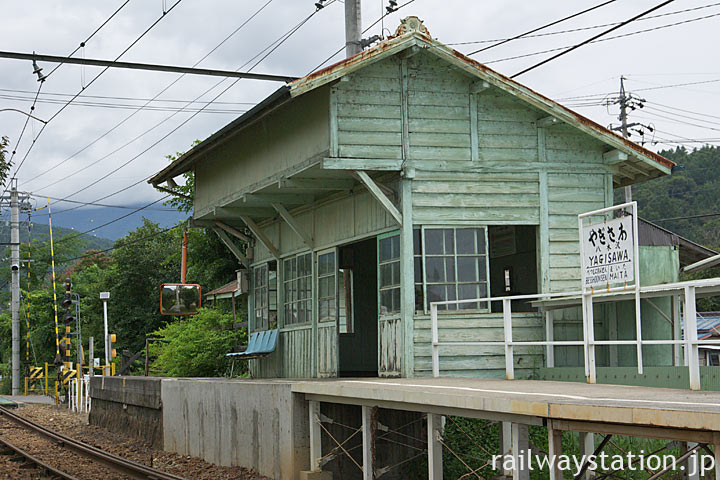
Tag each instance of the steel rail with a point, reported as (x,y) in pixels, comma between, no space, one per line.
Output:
(51,471)
(122,465)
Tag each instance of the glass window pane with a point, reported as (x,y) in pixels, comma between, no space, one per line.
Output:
(419,299)
(385,302)
(386,274)
(481,240)
(436,293)
(395,246)
(468,268)
(386,249)
(466,241)
(435,269)
(449,236)
(433,242)
(396,299)
(323,310)
(418,269)
(395,273)
(417,245)
(331,310)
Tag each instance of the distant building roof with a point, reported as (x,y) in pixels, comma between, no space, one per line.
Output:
(228,290)
(655,235)
(708,324)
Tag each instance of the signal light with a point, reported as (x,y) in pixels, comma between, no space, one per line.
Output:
(67,301)
(113,339)
(68,319)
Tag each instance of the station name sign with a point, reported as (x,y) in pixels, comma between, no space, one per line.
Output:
(608,252)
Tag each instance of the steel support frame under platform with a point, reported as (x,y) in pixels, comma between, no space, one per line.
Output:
(514,437)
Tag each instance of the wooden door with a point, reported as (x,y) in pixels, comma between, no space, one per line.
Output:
(326,307)
(390,333)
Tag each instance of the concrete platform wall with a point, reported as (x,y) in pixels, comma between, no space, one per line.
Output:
(131,405)
(258,424)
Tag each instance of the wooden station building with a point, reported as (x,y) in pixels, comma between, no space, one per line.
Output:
(404,175)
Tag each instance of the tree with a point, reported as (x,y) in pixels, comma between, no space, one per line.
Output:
(4,162)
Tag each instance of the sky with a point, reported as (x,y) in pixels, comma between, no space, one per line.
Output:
(672,67)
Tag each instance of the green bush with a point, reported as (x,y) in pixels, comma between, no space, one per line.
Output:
(195,346)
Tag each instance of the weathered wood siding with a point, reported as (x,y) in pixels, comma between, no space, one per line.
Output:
(486,362)
(287,138)
(339,220)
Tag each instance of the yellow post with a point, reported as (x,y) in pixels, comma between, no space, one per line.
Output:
(26,386)
(112,369)
(57,401)
(46,378)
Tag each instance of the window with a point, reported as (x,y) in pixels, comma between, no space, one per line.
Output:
(265,295)
(389,274)
(297,283)
(455,266)
(326,287)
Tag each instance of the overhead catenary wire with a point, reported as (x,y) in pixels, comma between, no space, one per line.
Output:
(537,29)
(580,29)
(595,37)
(147,30)
(263,54)
(141,108)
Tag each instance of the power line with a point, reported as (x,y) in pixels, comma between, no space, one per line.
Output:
(82,44)
(687,217)
(601,34)
(659,87)
(577,14)
(125,207)
(267,52)
(126,119)
(580,29)
(90,83)
(67,238)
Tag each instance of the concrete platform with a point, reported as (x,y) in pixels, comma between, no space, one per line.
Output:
(627,410)
(21,399)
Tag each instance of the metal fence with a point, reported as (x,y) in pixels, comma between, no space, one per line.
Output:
(689,291)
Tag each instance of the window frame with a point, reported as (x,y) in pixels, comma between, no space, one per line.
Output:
(266,323)
(334,282)
(380,289)
(287,304)
(423,256)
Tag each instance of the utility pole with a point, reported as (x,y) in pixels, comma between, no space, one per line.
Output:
(17,201)
(628,102)
(15,283)
(353,28)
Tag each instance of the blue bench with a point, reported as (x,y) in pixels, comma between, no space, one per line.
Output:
(261,344)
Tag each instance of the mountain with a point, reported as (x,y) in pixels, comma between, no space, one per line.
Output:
(693,190)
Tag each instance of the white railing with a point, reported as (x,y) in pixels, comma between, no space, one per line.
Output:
(79,394)
(688,290)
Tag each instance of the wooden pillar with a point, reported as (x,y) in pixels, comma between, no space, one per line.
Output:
(367,443)
(407,276)
(315,435)
(434,431)
(506,442)
(554,451)
(549,336)
(233,308)
(692,465)
(520,446)
(587,447)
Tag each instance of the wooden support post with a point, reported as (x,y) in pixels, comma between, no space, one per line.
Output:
(716,454)
(554,451)
(315,438)
(233,231)
(506,443)
(587,448)
(434,432)
(549,336)
(692,465)
(367,443)
(407,276)
(520,446)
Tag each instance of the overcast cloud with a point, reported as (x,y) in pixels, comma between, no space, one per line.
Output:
(667,56)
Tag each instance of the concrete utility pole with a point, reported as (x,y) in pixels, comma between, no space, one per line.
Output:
(15,284)
(353,28)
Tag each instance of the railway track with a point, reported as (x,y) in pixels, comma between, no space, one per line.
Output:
(119,464)
(26,461)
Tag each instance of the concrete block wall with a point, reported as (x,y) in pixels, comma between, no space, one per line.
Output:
(258,424)
(131,405)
